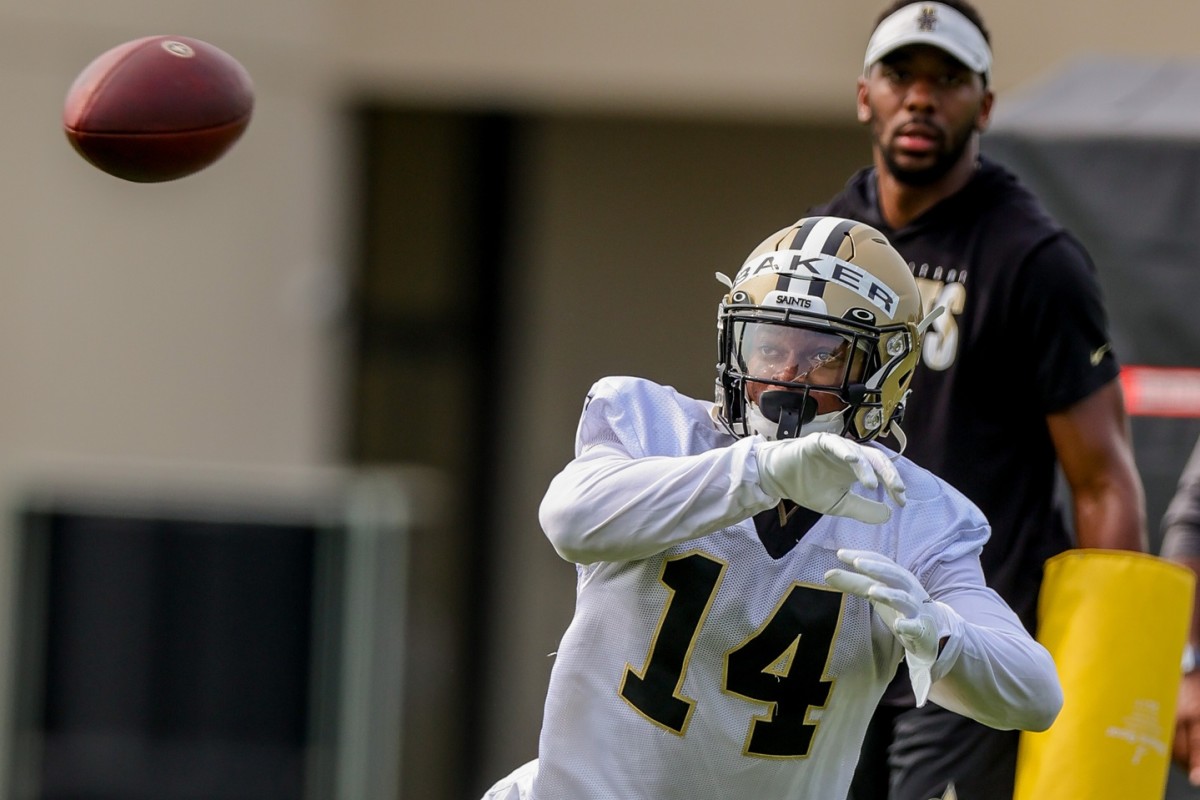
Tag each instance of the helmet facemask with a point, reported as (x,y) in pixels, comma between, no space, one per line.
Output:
(789,374)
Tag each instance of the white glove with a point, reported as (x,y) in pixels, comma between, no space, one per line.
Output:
(817,471)
(917,621)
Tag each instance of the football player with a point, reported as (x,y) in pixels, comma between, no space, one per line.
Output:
(752,571)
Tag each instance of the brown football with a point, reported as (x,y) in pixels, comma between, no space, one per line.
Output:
(158,108)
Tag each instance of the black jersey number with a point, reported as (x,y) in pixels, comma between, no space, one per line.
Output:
(782,664)
(655,690)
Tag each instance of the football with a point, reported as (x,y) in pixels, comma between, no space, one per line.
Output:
(158,108)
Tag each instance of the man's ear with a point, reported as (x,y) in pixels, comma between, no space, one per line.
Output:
(863,107)
(985,111)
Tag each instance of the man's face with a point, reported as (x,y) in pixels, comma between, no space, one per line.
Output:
(923,106)
(781,353)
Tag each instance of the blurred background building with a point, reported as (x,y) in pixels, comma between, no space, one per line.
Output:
(273,436)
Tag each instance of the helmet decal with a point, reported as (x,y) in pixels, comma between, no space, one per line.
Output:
(809,273)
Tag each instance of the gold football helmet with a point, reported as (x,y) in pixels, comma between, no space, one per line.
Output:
(823,314)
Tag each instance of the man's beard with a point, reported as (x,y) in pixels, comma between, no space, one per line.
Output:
(944,160)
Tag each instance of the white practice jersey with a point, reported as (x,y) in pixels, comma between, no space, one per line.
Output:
(701,663)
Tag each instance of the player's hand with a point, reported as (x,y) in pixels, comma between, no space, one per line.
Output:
(817,471)
(903,604)
(1186,749)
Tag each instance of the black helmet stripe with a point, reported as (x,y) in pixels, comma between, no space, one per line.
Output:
(833,236)
(802,233)
(833,230)
(814,287)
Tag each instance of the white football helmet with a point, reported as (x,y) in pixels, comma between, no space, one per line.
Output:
(828,306)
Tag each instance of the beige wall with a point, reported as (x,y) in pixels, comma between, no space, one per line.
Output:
(792,59)
(182,320)
(188,322)
(199,319)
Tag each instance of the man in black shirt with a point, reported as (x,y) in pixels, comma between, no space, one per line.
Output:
(1018,375)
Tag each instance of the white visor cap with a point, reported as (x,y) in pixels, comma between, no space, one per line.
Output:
(933,24)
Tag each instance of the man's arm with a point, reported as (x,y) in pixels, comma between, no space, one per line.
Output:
(1093,444)
(1186,749)
(1181,544)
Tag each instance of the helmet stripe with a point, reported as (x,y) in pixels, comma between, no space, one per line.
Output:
(802,233)
(824,235)
(793,284)
(833,242)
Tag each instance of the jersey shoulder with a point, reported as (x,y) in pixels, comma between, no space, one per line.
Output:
(937,522)
(646,418)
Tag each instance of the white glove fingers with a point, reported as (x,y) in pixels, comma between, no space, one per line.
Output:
(860,585)
(887,474)
(864,472)
(849,556)
(901,603)
(897,599)
(850,454)
(882,569)
(849,582)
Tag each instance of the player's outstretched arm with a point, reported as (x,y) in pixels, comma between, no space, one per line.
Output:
(607,505)
(966,650)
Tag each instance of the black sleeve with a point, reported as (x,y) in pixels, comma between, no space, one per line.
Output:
(1061,325)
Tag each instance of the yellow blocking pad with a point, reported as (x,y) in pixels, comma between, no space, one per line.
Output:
(1115,623)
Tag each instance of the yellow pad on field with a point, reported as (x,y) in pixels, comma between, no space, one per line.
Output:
(1115,623)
